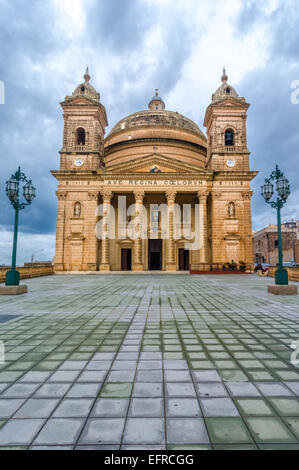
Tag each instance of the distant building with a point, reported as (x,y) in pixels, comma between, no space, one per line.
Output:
(265,243)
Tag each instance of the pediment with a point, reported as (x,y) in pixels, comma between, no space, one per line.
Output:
(157,162)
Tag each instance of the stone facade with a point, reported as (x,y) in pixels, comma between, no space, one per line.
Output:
(265,243)
(153,157)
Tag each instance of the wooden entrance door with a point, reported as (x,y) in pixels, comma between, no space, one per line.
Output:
(183,259)
(155,255)
(126,259)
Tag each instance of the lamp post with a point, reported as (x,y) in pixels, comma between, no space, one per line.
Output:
(283,190)
(12,191)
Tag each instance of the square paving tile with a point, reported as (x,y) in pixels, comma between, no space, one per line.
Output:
(186,431)
(35,376)
(270,430)
(19,431)
(110,407)
(146,408)
(144,431)
(285,406)
(273,389)
(121,376)
(242,389)
(9,406)
(254,407)
(228,431)
(293,386)
(206,376)
(177,376)
(149,376)
(49,390)
(99,431)
(20,390)
(182,407)
(218,407)
(73,408)
(116,390)
(98,365)
(59,431)
(92,376)
(180,389)
(84,390)
(37,408)
(293,424)
(64,376)
(150,390)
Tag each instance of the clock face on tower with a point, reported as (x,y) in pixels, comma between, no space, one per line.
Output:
(230,163)
(79,162)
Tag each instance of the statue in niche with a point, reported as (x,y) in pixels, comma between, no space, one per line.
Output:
(77,209)
(231,209)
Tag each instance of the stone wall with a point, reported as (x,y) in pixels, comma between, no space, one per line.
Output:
(292,272)
(28,272)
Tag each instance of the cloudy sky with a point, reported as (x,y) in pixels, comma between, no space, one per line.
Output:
(133,47)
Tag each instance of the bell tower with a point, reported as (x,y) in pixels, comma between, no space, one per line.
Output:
(85,120)
(81,158)
(230,230)
(225,121)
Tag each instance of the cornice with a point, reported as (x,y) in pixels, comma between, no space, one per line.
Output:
(234,175)
(127,143)
(208,175)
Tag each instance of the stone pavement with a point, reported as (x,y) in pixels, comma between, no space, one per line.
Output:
(155,361)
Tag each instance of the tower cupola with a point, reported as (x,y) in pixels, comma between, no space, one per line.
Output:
(156,103)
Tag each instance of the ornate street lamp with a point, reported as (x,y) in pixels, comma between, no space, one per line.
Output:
(12,191)
(283,190)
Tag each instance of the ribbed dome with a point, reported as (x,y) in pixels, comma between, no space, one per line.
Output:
(150,119)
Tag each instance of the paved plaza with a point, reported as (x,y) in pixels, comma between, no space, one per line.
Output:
(149,362)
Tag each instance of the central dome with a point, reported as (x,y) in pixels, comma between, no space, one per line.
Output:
(155,118)
(166,132)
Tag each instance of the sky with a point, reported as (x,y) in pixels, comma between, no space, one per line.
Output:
(131,48)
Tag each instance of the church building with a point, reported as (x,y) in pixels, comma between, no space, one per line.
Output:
(129,201)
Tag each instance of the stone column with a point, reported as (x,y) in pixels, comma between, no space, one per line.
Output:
(217,255)
(248,250)
(170,259)
(203,252)
(60,232)
(91,218)
(137,250)
(105,263)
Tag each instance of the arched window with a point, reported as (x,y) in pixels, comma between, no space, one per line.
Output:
(227,91)
(80,136)
(229,138)
(82,89)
